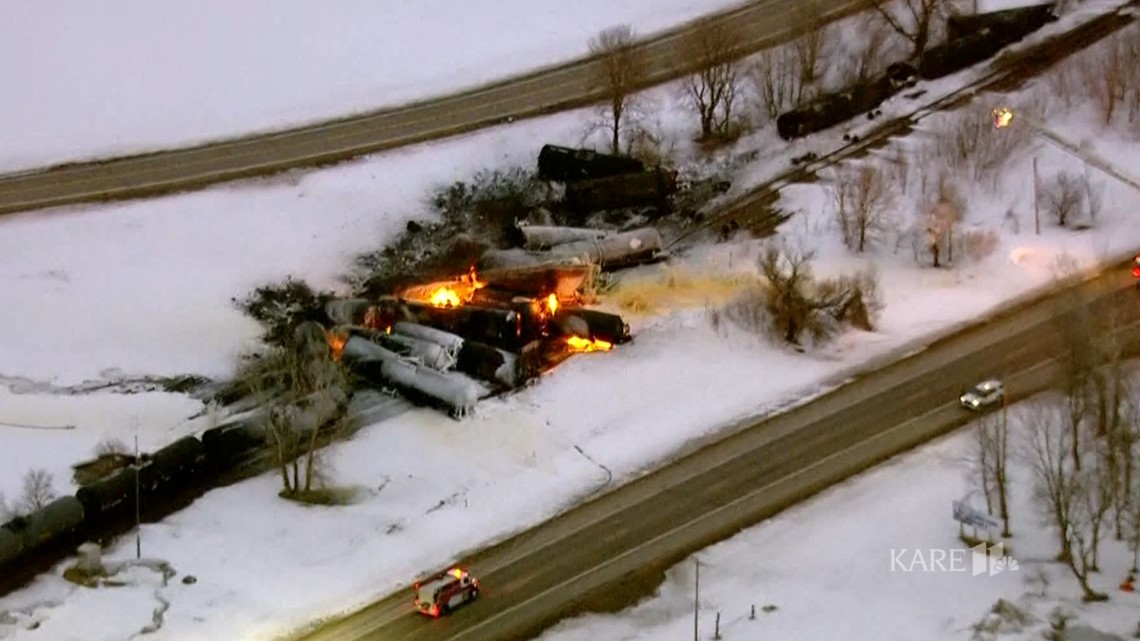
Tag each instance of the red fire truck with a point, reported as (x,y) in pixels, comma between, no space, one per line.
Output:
(442,593)
(1136,266)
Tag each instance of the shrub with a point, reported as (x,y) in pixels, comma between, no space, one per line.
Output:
(111,447)
(792,305)
(281,307)
(978,244)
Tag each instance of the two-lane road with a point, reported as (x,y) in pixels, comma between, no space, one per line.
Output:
(761,24)
(541,575)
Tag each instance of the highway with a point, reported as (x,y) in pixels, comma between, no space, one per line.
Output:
(761,23)
(617,542)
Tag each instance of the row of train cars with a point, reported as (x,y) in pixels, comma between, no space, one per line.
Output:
(161,483)
(970,39)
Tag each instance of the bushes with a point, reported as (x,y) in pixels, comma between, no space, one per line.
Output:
(281,307)
(472,215)
(978,244)
(1071,199)
(792,305)
(970,147)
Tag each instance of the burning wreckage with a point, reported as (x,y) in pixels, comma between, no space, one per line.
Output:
(519,311)
(449,344)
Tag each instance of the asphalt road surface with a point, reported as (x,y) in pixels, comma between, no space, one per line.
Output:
(761,24)
(607,546)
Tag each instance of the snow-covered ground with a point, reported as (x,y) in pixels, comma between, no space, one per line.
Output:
(128,76)
(147,290)
(845,562)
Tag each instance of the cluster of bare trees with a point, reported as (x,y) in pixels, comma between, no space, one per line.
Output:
(779,78)
(621,70)
(37,491)
(302,390)
(862,200)
(968,145)
(792,304)
(917,21)
(714,90)
(1107,77)
(1081,446)
(1072,199)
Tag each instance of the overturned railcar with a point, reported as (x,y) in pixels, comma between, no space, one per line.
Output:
(1019,22)
(649,188)
(565,164)
(975,38)
(832,109)
(956,55)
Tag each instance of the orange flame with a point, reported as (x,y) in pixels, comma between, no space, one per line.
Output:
(445,297)
(552,303)
(336,341)
(448,294)
(579,344)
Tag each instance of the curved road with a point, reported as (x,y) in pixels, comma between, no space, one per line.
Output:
(615,541)
(761,24)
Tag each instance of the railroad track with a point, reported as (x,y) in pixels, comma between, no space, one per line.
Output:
(1008,71)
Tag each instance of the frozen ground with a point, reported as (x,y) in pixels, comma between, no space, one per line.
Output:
(128,76)
(826,567)
(259,565)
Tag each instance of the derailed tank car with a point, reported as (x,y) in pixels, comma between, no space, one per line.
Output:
(1015,23)
(30,544)
(110,501)
(565,164)
(229,444)
(55,522)
(172,469)
(650,188)
(11,545)
(982,36)
(832,109)
(956,55)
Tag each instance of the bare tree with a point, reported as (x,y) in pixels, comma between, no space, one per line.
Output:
(713,90)
(1132,512)
(37,490)
(861,198)
(1058,488)
(302,390)
(1064,197)
(940,220)
(776,82)
(620,70)
(873,51)
(911,19)
(810,46)
(1125,443)
(992,463)
(967,144)
(1097,497)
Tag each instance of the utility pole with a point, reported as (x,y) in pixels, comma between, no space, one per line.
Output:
(138,508)
(697,603)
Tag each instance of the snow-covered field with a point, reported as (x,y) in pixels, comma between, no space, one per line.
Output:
(846,562)
(147,290)
(91,80)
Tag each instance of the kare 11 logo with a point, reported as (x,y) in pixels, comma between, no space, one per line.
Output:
(982,560)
